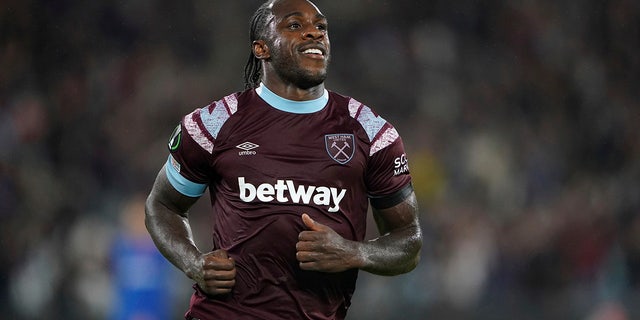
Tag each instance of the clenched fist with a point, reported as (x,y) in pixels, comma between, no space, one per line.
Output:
(218,273)
(322,249)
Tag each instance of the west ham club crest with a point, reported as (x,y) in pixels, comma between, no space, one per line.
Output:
(340,147)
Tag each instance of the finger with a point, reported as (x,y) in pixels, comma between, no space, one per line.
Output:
(307,256)
(312,224)
(303,246)
(219,275)
(216,287)
(309,266)
(219,264)
(220,284)
(309,236)
(213,290)
(309,245)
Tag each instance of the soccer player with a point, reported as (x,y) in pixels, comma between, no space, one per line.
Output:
(291,169)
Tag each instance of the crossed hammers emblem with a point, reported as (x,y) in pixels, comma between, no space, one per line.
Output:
(340,150)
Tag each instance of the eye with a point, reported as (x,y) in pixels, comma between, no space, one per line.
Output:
(322,27)
(294,26)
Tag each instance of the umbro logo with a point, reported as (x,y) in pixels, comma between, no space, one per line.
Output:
(248,148)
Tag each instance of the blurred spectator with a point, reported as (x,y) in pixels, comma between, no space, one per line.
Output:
(141,275)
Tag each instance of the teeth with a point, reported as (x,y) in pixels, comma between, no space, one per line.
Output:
(313,51)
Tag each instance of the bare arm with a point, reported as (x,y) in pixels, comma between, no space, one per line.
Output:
(167,221)
(395,251)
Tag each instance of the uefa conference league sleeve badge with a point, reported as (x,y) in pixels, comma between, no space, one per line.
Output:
(176,136)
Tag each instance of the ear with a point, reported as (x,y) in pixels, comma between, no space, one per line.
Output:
(261,50)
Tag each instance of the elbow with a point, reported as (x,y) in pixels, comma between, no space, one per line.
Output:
(410,256)
(149,212)
(413,249)
(409,265)
(414,258)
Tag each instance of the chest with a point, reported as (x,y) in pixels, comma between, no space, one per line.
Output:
(317,149)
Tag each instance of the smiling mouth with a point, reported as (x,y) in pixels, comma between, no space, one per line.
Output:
(313,52)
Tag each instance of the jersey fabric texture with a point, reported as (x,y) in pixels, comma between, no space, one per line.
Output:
(266,161)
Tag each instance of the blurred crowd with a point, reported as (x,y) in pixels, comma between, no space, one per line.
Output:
(520,119)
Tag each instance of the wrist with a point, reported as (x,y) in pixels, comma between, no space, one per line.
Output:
(193,267)
(361,257)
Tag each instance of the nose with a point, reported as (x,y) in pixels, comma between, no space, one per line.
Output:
(313,33)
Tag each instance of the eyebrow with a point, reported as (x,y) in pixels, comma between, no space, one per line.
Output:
(299,14)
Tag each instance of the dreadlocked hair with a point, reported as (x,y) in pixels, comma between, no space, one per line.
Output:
(259,21)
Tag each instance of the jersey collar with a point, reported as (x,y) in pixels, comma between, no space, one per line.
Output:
(291,106)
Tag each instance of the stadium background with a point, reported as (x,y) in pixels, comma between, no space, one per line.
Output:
(520,119)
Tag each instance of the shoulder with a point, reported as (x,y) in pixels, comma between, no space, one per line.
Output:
(203,124)
(359,111)
(380,132)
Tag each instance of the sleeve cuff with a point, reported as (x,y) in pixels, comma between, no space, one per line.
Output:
(388,201)
(182,184)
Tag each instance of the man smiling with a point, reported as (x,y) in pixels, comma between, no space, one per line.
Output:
(291,169)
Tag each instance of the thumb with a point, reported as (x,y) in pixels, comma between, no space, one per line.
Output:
(211,258)
(312,224)
(220,253)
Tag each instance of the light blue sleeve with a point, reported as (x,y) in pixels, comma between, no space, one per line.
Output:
(182,184)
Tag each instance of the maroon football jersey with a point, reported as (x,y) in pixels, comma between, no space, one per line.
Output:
(266,161)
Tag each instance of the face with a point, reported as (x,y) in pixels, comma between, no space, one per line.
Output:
(298,43)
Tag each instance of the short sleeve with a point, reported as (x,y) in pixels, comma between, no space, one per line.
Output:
(388,166)
(187,166)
